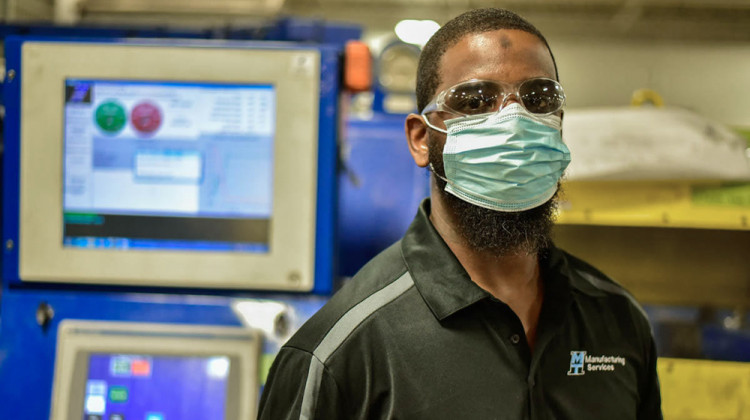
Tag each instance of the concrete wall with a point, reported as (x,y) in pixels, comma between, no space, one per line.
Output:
(711,78)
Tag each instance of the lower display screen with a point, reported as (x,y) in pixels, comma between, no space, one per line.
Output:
(150,387)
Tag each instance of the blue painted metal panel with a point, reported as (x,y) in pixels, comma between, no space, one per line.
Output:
(11,160)
(381,190)
(292,29)
(720,343)
(699,333)
(325,237)
(304,30)
(48,31)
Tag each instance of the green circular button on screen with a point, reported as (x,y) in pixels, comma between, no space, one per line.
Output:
(110,116)
(118,394)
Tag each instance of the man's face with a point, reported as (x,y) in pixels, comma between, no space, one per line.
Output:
(509,56)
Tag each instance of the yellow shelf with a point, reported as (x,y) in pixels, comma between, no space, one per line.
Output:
(704,389)
(686,204)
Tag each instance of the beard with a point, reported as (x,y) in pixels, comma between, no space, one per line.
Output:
(495,232)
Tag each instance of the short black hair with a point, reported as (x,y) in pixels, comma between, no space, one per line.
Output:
(471,22)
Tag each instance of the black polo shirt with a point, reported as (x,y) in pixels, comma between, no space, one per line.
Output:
(412,337)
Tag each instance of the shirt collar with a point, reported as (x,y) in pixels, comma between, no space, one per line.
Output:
(437,274)
(444,284)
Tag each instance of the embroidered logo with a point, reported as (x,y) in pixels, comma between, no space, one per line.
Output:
(580,363)
(576,363)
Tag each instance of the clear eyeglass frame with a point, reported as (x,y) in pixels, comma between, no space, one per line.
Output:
(503,91)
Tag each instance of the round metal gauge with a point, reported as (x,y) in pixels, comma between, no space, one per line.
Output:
(397,69)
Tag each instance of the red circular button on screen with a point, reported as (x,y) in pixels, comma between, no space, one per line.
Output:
(146,117)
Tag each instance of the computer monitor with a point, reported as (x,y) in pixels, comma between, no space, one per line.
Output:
(119,371)
(191,165)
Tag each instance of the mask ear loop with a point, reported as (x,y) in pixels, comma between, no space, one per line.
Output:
(432,169)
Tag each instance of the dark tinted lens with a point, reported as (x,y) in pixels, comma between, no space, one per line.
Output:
(541,96)
(473,98)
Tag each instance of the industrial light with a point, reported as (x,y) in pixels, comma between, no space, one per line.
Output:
(271,317)
(416,31)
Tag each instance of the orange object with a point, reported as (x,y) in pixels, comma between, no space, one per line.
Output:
(357,67)
(140,367)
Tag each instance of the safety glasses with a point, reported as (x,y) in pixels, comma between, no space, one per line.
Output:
(475,97)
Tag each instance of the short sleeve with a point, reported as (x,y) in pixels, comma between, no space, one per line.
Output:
(300,387)
(650,404)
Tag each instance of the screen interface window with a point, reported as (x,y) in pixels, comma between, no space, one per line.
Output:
(149,387)
(168,165)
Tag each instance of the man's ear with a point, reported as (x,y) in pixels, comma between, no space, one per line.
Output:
(416,136)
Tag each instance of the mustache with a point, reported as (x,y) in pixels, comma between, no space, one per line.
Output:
(489,231)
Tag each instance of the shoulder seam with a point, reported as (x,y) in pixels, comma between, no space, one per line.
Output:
(601,284)
(594,277)
(286,346)
(611,287)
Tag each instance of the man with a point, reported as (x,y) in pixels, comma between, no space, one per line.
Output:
(475,314)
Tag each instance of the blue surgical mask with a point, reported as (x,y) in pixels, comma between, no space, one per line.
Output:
(507,161)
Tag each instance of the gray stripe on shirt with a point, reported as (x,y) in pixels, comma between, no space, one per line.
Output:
(314,375)
(340,331)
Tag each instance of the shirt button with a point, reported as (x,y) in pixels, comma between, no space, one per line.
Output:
(515,338)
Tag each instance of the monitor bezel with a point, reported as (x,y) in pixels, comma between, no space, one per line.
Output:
(291,264)
(78,339)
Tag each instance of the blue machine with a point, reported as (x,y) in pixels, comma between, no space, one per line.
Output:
(83,135)
(380,191)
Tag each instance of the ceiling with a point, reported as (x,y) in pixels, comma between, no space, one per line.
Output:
(663,19)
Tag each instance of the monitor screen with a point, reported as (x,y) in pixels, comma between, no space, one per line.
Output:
(151,387)
(168,165)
